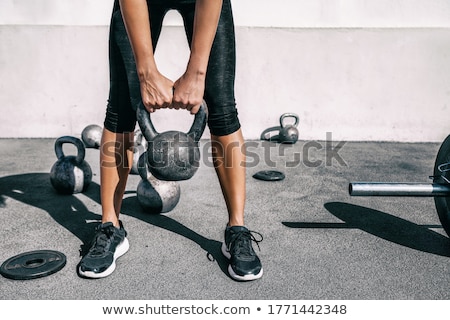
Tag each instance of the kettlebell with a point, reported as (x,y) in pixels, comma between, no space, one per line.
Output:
(172,155)
(268,134)
(155,196)
(70,174)
(288,132)
(92,136)
(138,149)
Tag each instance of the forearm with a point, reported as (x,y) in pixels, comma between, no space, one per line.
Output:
(136,19)
(207,14)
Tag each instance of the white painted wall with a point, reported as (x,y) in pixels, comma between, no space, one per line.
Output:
(364,70)
(250,13)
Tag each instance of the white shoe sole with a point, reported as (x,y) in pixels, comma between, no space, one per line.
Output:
(248,277)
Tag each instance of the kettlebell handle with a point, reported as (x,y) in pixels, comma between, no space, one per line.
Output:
(72,140)
(148,129)
(199,124)
(269,130)
(289,115)
(145,123)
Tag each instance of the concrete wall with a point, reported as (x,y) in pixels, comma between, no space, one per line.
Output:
(363,70)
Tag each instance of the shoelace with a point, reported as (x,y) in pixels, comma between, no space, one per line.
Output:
(243,238)
(102,240)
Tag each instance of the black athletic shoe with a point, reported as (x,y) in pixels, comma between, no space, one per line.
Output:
(109,244)
(244,263)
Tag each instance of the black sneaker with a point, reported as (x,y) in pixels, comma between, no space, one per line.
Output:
(244,263)
(109,244)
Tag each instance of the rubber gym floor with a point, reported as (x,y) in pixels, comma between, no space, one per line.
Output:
(319,242)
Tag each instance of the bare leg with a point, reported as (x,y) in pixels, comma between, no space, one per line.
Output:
(116,156)
(229,162)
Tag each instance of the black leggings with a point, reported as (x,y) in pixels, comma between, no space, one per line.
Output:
(125,92)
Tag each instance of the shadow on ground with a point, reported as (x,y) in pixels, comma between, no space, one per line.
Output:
(35,189)
(382,225)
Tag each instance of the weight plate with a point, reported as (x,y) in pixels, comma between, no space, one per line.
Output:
(441,173)
(269,175)
(33,264)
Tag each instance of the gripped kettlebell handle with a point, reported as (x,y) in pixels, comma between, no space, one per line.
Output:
(289,115)
(72,140)
(199,124)
(149,131)
(145,123)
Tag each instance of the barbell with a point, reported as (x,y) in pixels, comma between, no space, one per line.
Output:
(439,188)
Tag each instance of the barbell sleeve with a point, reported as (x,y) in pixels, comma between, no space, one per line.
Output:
(399,189)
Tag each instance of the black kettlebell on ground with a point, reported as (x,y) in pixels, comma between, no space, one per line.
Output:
(155,196)
(288,132)
(70,174)
(172,155)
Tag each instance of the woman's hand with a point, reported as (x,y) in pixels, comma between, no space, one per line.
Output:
(189,91)
(156,91)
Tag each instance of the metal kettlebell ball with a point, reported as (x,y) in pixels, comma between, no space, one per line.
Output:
(92,136)
(154,195)
(70,174)
(172,155)
(138,149)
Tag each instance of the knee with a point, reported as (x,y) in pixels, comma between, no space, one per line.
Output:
(223,122)
(119,121)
